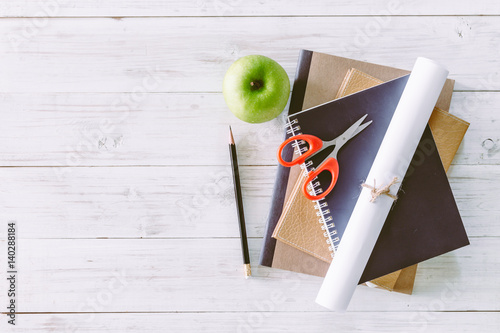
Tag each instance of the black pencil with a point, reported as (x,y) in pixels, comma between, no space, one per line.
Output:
(239,205)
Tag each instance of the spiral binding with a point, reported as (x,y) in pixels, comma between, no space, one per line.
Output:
(323,212)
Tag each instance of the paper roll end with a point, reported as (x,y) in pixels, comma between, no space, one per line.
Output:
(430,62)
(328,302)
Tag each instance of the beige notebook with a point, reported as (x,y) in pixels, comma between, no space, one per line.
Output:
(299,226)
(319,77)
(324,75)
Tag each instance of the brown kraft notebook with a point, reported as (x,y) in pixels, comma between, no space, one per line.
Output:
(317,80)
(298,225)
(313,68)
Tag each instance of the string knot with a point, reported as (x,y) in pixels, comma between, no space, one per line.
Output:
(383,190)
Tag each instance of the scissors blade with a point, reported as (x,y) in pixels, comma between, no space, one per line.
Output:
(355,129)
(361,127)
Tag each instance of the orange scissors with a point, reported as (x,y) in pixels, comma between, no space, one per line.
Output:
(330,163)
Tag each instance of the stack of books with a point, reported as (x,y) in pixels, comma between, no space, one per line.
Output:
(424,222)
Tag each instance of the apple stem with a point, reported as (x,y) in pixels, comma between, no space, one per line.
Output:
(256,84)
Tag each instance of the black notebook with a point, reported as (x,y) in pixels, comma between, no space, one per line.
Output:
(424,222)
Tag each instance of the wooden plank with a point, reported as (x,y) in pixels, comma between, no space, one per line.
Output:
(192,54)
(71,129)
(169,202)
(481,143)
(256,321)
(159,129)
(55,8)
(192,275)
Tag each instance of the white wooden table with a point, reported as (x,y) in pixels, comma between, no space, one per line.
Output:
(115,166)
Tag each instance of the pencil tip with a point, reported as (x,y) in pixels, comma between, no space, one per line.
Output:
(231,139)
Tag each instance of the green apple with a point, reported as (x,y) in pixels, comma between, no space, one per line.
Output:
(256,88)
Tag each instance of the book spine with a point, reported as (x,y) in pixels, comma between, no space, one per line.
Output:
(280,185)
(321,205)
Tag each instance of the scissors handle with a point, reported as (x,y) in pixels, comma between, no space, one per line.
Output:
(331,165)
(314,142)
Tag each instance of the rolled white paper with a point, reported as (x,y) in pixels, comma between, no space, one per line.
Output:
(393,158)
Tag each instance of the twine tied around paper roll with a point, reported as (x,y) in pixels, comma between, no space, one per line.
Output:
(383,190)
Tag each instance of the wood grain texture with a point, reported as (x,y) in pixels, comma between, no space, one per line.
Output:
(192,54)
(178,202)
(160,129)
(193,275)
(256,321)
(116,8)
(95,129)
(114,163)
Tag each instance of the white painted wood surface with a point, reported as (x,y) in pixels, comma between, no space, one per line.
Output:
(114,163)
(191,54)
